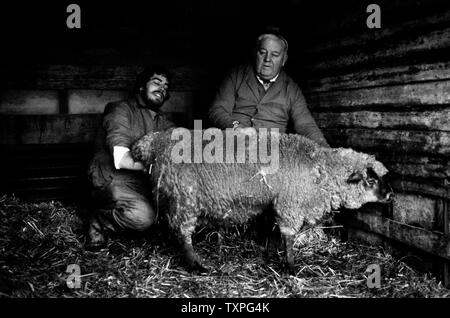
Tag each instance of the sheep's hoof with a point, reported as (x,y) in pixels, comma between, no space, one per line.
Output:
(289,269)
(195,265)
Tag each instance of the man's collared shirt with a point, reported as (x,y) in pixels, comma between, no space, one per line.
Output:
(266,84)
(120,151)
(123,123)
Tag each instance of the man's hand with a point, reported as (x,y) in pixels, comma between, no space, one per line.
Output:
(247,130)
(128,162)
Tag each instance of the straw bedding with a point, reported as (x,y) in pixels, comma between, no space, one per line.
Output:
(39,240)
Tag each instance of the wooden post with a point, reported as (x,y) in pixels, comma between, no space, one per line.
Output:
(446,213)
(63,101)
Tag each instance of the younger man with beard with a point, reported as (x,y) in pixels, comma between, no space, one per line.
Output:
(120,189)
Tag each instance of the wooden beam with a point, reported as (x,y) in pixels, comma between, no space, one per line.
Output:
(381,76)
(422,166)
(70,152)
(425,120)
(419,166)
(408,158)
(56,129)
(384,34)
(425,240)
(415,210)
(29,102)
(446,209)
(389,97)
(446,212)
(440,215)
(108,77)
(63,99)
(419,171)
(384,50)
(399,141)
(48,129)
(420,187)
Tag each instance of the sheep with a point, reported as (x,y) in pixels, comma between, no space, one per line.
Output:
(310,182)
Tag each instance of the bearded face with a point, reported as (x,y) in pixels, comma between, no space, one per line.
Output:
(155,91)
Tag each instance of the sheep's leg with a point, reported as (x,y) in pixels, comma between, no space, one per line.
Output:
(288,223)
(185,238)
(288,237)
(290,220)
(182,217)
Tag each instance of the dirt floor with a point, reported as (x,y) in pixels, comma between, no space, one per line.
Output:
(39,243)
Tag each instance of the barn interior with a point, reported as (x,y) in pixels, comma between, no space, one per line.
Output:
(383,91)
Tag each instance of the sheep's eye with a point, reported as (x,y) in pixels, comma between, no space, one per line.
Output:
(371,182)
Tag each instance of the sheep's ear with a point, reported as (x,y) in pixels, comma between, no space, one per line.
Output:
(355,177)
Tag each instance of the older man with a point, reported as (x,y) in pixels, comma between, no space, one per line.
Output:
(263,95)
(120,190)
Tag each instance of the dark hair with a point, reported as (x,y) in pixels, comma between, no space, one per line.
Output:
(146,74)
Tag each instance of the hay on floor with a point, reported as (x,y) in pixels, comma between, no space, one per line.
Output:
(39,241)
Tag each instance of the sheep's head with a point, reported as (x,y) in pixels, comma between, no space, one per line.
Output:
(143,149)
(366,183)
(370,188)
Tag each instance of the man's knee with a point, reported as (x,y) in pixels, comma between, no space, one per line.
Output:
(138,216)
(126,206)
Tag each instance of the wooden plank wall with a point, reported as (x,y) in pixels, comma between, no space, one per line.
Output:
(85,89)
(49,115)
(387,92)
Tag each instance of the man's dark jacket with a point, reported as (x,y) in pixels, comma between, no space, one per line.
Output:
(242,98)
